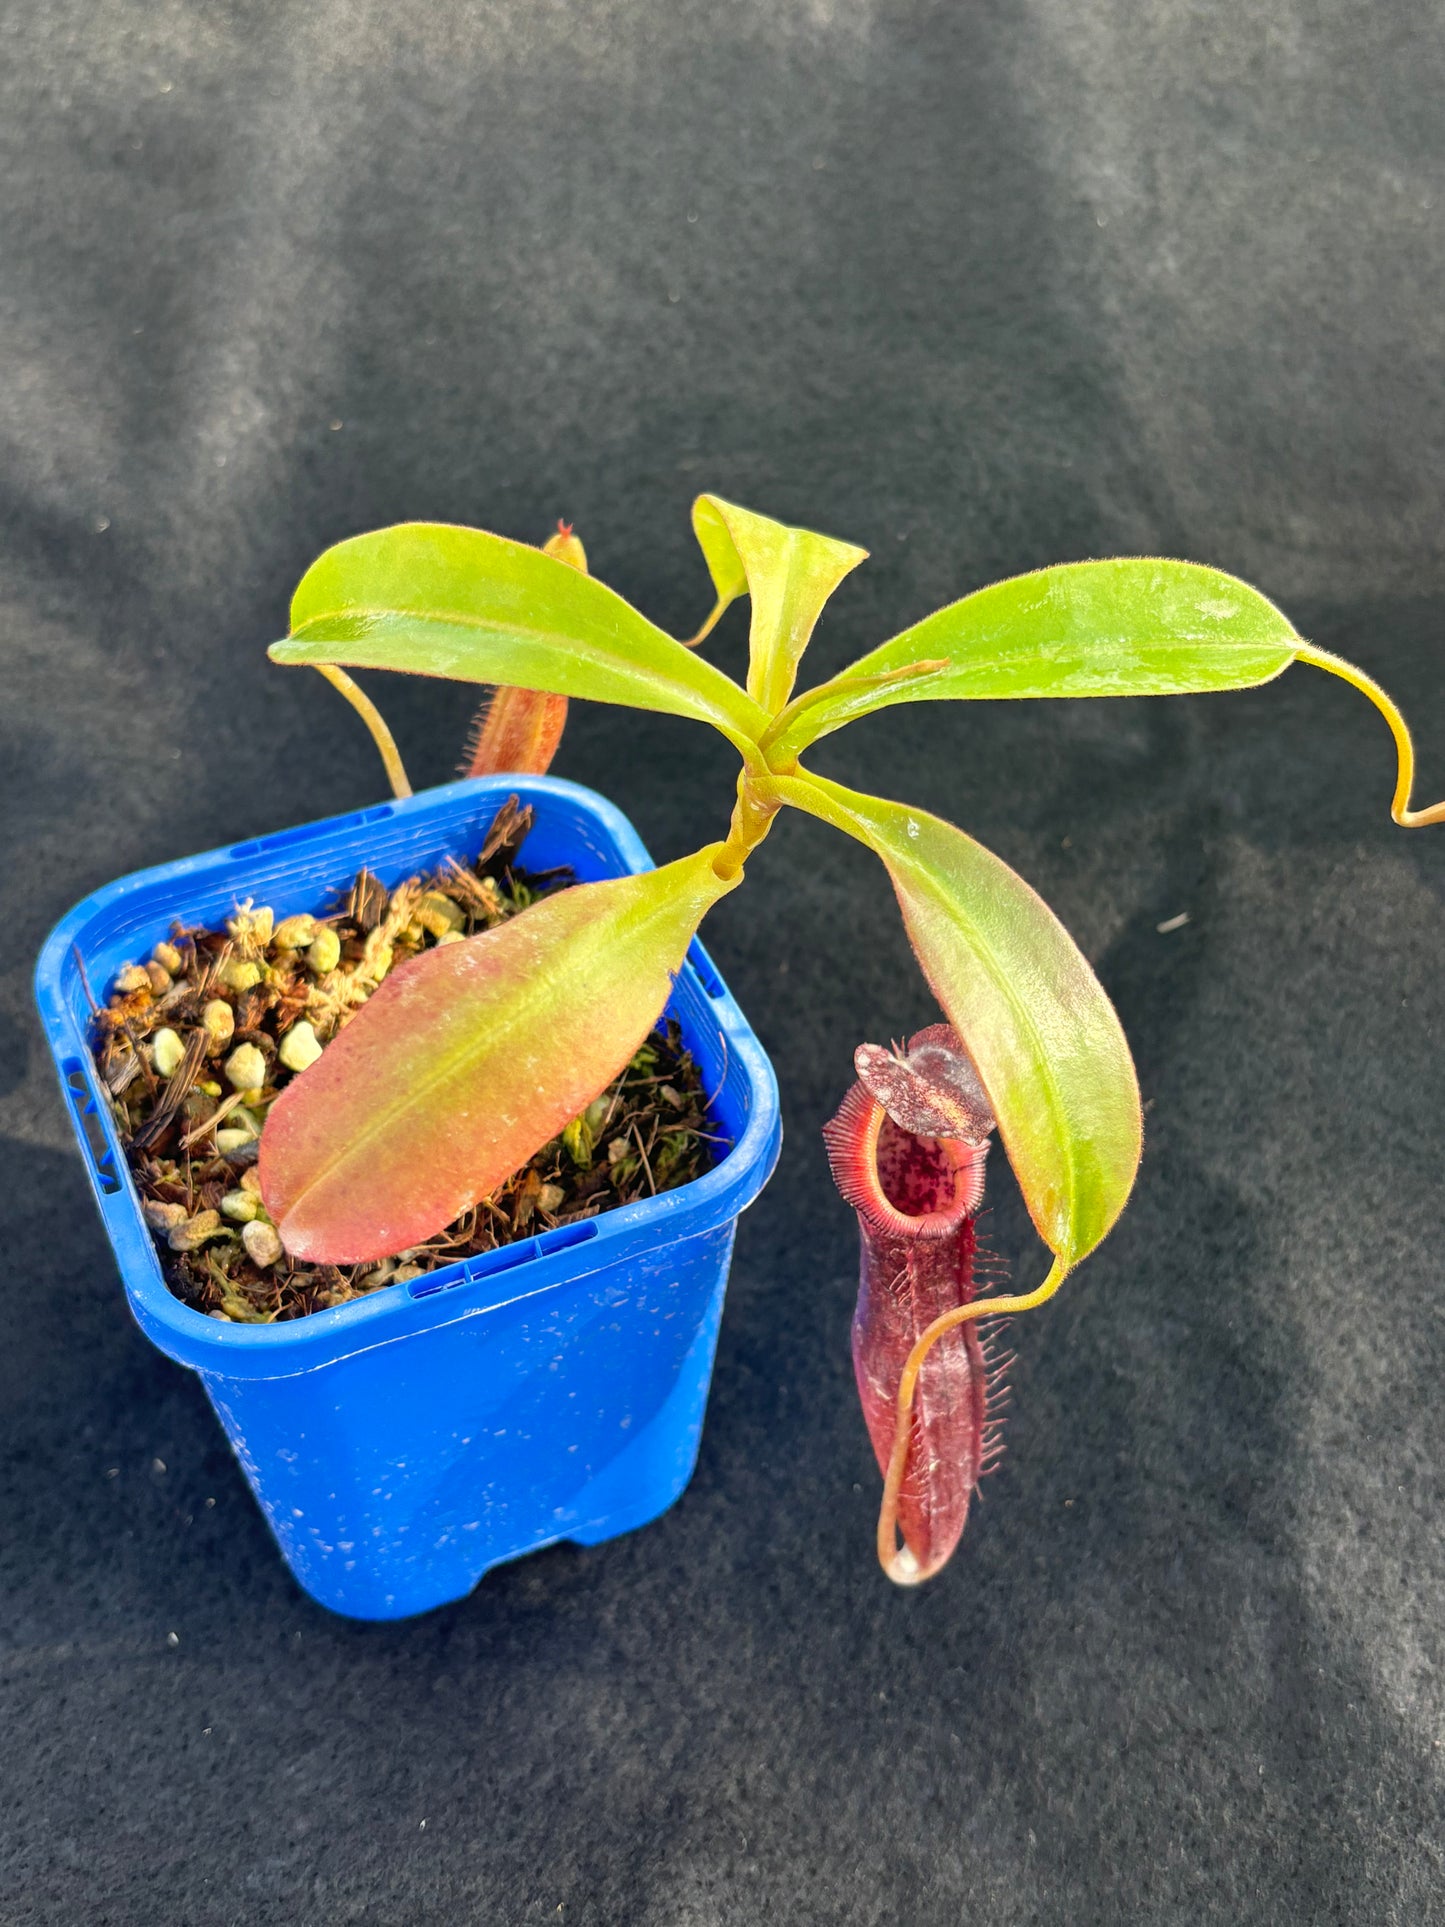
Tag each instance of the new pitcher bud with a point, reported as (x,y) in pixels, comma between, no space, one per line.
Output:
(566,547)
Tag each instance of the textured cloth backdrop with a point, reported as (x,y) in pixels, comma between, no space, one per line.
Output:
(980,286)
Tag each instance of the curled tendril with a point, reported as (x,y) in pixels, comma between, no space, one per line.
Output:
(1404,748)
(898,1562)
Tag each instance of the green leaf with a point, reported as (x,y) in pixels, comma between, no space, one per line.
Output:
(789,573)
(444,601)
(1135,626)
(1021,995)
(724,564)
(472,1056)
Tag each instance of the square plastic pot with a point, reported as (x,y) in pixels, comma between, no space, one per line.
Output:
(403,1444)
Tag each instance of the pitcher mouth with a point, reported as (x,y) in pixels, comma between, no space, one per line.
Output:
(852,1138)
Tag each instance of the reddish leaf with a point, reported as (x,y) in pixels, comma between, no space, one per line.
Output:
(469,1058)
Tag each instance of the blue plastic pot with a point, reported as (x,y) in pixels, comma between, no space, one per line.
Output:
(554,1389)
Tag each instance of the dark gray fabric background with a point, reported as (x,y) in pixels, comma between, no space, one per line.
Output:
(980,286)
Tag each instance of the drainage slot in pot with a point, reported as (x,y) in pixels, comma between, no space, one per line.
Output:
(101,1158)
(487,1266)
(304,832)
(702,964)
(506,1258)
(567,1235)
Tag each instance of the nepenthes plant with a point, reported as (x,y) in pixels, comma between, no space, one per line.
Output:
(472,1056)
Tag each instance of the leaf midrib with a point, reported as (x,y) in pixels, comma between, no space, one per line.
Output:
(727,690)
(1001,657)
(826,698)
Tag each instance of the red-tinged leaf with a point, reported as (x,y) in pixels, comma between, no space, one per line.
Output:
(916,1197)
(469,1058)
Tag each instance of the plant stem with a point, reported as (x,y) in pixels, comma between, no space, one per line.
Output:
(753,816)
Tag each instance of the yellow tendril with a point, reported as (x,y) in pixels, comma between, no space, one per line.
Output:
(1404,749)
(898,1561)
(691,642)
(367,710)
